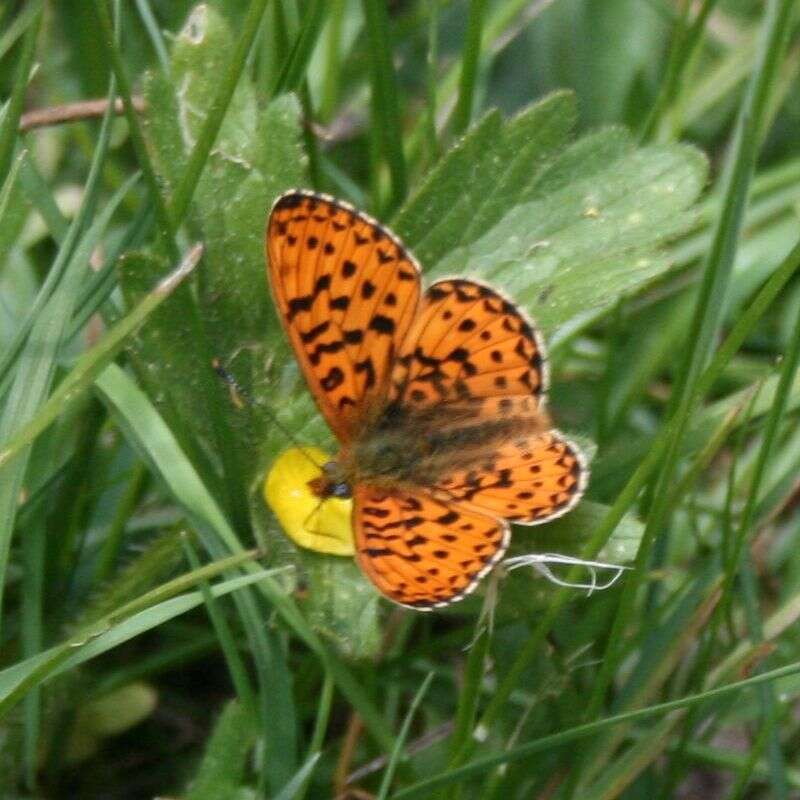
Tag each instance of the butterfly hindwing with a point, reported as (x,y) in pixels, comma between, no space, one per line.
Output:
(347,291)
(422,552)
(528,480)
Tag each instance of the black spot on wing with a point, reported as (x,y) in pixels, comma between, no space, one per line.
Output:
(366,366)
(298,304)
(333,379)
(381,324)
(348,268)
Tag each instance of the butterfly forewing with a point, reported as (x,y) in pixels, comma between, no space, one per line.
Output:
(469,343)
(347,291)
(423,552)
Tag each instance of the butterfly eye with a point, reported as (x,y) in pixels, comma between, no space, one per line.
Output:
(300,495)
(341,490)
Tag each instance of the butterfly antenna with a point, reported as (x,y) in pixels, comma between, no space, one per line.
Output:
(241,399)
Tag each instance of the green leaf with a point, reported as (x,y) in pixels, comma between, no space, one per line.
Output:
(342,604)
(256,156)
(561,226)
(166,354)
(492,169)
(590,238)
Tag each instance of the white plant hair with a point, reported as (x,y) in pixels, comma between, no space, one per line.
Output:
(540,562)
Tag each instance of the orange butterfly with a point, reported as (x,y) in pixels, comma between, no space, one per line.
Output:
(437,400)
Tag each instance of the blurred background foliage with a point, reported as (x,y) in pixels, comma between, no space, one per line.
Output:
(628,170)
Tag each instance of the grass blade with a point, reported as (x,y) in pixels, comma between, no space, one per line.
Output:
(293,73)
(16,680)
(708,312)
(482,765)
(293,788)
(92,362)
(10,122)
(32,380)
(385,101)
(397,750)
(470,59)
(166,227)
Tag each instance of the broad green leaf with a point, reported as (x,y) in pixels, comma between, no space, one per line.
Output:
(338,600)
(342,604)
(565,228)
(165,351)
(256,156)
(492,169)
(574,251)
(199,55)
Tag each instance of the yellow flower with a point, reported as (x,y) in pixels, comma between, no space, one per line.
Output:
(321,525)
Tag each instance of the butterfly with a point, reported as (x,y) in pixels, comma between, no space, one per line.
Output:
(437,400)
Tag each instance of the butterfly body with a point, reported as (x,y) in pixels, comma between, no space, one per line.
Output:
(416,447)
(408,448)
(437,400)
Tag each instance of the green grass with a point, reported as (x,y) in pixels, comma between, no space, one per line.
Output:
(627,171)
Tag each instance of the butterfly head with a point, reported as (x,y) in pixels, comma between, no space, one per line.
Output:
(331,483)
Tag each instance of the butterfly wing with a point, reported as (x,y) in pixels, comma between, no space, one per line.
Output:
(422,552)
(347,291)
(468,343)
(470,347)
(529,480)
